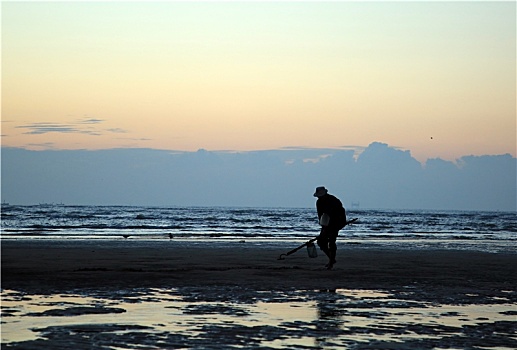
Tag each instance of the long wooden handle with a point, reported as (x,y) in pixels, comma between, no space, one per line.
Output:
(282,256)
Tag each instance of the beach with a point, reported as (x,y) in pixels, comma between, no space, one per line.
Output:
(43,265)
(231,293)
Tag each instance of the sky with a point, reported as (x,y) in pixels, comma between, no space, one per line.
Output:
(435,78)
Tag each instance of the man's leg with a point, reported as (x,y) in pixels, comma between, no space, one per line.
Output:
(323,242)
(332,253)
(332,248)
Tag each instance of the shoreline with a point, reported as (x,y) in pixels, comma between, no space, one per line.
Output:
(43,266)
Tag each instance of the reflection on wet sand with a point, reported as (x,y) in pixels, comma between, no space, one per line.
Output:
(237,317)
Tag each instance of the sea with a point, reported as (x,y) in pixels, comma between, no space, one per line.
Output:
(404,229)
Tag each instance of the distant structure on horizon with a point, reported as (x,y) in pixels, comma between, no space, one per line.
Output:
(356,204)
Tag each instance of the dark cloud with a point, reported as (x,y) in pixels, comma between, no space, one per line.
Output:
(91,121)
(47,127)
(82,126)
(380,177)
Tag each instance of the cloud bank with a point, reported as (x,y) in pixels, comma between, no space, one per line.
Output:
(378,176)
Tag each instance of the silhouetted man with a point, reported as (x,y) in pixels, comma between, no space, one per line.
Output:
(336,217)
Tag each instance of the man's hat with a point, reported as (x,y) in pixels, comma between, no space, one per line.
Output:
(320,191)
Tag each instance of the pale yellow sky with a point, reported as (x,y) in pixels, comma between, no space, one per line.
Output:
(260,75)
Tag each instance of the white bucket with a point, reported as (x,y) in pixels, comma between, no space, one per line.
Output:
(324,220)
(312,251)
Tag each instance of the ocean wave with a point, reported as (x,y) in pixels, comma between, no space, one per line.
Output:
(82,221)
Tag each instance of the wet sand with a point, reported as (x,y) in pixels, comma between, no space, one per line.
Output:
(47,266)
(128,294)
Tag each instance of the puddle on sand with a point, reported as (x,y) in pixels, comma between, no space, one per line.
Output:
(238,317)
